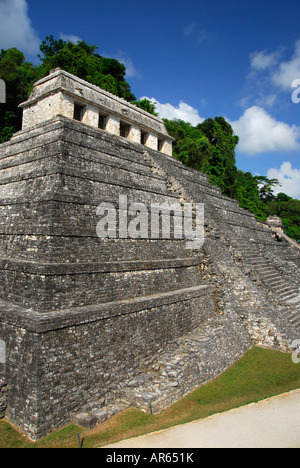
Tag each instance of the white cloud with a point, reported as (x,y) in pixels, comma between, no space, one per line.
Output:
(271,77)
(197,33)
(183,112)
(289,179)
(267,100)
(15,27)
(262,60)
(288,71)
(70,38)
(280,73)
(259,132)
(259,84)
(261,100)
(189,29)
(131,71)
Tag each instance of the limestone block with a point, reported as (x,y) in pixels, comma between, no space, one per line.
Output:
(100,415)
(85,420)
(152,141)
(167,148)
(135,134)
(91,116)
(113,125)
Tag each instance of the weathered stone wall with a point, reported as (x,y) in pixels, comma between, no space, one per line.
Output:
(58,364)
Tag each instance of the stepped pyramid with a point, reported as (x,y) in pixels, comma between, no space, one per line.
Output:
(91,324)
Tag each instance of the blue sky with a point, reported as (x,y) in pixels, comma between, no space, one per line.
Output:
(196,59)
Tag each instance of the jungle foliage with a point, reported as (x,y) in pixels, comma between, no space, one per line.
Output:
(79,59)
(210,148)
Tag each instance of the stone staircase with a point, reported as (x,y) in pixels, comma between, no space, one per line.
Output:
(251,257)
(278,286)
(292,314)
(270,276)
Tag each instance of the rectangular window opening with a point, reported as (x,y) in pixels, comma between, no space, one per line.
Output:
(144,137)
(78,112)
(124,130)
(102,121)
(160,145)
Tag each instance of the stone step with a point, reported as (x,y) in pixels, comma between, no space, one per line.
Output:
(285,297)
(287,290)
(258,262)
(274,278)
(296,322)
(275,283)
(296,310)
(294,316)
(295,301)
(268,273)
(285,287)
(267,270)
(251,253)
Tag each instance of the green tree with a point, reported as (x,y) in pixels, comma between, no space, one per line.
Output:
(191,146)
(288,209)
(248,194)
(79,59)
(220,135)
(282,197)
(266,187)
(82,60)
(209,147)
(19,77)
(146,105)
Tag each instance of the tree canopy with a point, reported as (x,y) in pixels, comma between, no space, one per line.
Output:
(83,61)
(19,77)
(210,147)
(288,209)
(79,59)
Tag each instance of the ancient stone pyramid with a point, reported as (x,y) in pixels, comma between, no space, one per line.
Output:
(92,325)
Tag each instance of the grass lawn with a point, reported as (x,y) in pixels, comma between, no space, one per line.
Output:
(259,374)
